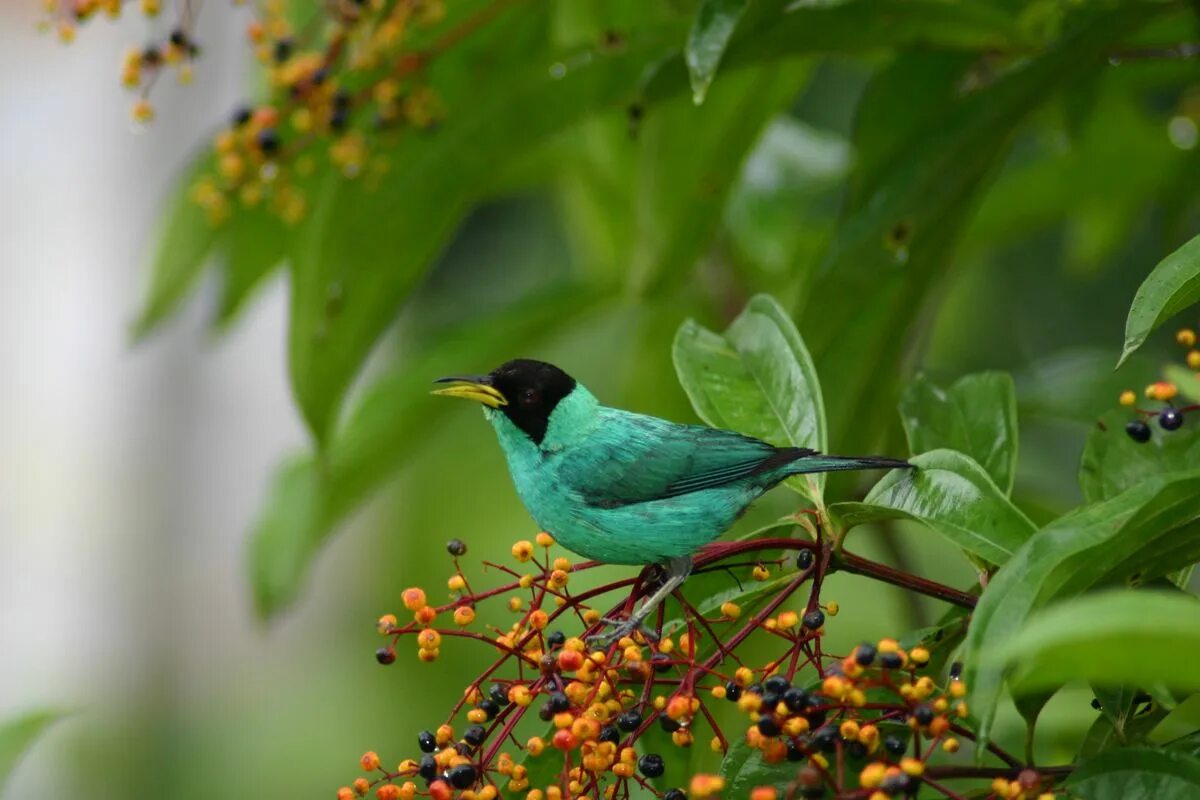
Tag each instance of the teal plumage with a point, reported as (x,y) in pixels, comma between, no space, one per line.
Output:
(626,488)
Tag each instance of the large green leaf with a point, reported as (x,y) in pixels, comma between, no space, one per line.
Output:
(952,495)
(778,29)
(1137,774)
(184,245)
(1141,534)
(352,273)
(16,736)
(744,769)
(1114,637)
(311,495)
(714,23)
(756,378)
(904,215)
(1171,286)
(977,415)
(1112,462)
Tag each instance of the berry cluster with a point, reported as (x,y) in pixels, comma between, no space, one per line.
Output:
(336,82)
(555,717)
(1170,417)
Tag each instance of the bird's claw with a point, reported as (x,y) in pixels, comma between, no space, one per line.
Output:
(620,629)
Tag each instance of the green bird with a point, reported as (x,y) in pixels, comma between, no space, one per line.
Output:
(626,488)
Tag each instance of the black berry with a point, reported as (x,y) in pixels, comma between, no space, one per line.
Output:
(462,776)
(805,559)
(629,721)
(610,734)
(777,684)
(241,116)
(428,767)
(385,655)
(556,639)
(894,745)
(675,794)
(426,741)
(456,547)
(1171,419)
(474,735)
(558,702)
(923,715)
(498,694)
(268,141)
(814,619)
(825,739)
(283,50)
(732,692)
(489,707)
(795,699)
(651,765)
(864,654)
(661,662)
(1139,431)
(668,725)
(769,726)
(891,660)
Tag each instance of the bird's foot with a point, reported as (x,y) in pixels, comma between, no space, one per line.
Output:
(619,630)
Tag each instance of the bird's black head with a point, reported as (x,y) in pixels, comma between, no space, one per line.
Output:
(524,390)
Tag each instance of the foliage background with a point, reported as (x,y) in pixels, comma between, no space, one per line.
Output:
(132,475)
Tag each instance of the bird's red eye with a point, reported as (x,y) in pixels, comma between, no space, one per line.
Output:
(531,397)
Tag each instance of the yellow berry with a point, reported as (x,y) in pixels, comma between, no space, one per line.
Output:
(456,583)
(950,745)
(832,608)
(142,111)
(760,573)
(414,598)
(1128,398)
(731,610)
(1193,359)
(912,766)
(788,619)
(522,551)
(1186,337)
(464,616)
(385,623)
(543,539)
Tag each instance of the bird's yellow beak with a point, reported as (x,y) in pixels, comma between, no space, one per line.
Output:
(472,387)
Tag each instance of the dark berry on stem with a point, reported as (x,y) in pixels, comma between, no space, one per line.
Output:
(474,735)
(891,660)
(426,741)
(498,694)
(777,684)
(796,699)
(385,655)
(1171,419)
(610,734)
(661,662)
(864,654)
(558,702)
(668,725)
(556,639)
(489,707)
(456,547)
(732,692)
(283,50)
(629,721)
(805,559)
(241,116)
(769,726)
(268,141)
(1139,431)
(825,739)
(755,688)
(923,715)
(178,38)
(894,745)
(462,776)
(814,619)
(794,751)
(856,750)
(428,768)
(771,699)
(675,794)
(651,765)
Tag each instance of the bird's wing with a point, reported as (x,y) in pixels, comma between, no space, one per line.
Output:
(631,458)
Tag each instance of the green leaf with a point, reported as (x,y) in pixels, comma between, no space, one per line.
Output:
(903,218)
(714,23)
(743,769)
(1140,534)
(18,734)
(184,244)
(977,415)
(756,378)
(255,243)
(779,29)
(952,495)
(1112,462)
(1170,287)
(1137,774)
(352,273)
(1115,637)
(310,496)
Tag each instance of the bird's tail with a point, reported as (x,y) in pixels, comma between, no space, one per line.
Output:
(809,461)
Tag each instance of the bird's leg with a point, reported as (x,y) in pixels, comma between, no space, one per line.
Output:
(678,570)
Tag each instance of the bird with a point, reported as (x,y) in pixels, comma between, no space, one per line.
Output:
(624,488)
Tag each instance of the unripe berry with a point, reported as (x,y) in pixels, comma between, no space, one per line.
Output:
(414,598)
(464,616)
(369,761)
(544,539)
(389,791)
(522,551)
(345,793)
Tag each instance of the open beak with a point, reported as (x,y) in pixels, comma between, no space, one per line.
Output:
(472,387)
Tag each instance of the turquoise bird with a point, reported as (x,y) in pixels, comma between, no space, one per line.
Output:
(626,488)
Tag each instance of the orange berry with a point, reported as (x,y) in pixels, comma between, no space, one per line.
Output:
(428,656)
(522,551)
(1193,359)
(440,790)
(704,785)
(345,793)
(414,598)
(543,539)
(369,761)
(1186,337)
(763,793)
(463,616)
(564,740)
(389,791)
(361,786)
(385,623)
(143,112)
(429,639)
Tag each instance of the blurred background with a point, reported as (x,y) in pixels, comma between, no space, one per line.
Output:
(131,474)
